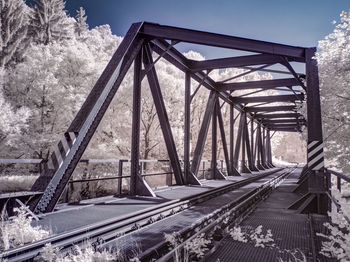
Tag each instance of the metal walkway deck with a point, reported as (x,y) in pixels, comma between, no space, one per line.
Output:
(69,217)
(294,234)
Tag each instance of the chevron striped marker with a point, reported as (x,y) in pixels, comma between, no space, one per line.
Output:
(61,150)
(315,156)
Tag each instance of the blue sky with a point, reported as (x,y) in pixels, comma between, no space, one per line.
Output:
(294,22)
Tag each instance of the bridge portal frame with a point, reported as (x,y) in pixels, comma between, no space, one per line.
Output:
(142,41)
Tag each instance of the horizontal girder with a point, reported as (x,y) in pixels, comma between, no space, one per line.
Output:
(235,62)
(279,121)
(264,84)
(219,40)
(284,129)
(270,108)
(284,115)
(262,99)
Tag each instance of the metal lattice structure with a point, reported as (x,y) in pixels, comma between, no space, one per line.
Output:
(257,121)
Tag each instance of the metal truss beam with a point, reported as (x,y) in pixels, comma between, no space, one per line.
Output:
(203,132)
(238,140)
(219,40)
(285,130)
(181,62)
(138,185)
(235,62)
(254,109)
(283,126)
(271,99)
(230,170)
(283,121)
(284,115)
(54,181)
(163,116)
(264,84)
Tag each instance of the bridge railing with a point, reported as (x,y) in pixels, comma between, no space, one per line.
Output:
(340,178)
(121,172)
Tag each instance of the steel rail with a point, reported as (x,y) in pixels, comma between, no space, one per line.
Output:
(124,224)
(233,210)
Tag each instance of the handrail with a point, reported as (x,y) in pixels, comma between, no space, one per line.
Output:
(339,177)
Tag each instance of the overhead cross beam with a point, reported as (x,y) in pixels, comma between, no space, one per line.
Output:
(261,99)
(283,115)
(219,40)
(264,84)
(282,121)
(235,62)
(270,108)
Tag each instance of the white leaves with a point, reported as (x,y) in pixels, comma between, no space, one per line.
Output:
(333,60)
(19,230)
(255,236)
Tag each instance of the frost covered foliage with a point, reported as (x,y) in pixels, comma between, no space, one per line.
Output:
(256,236)
(12,121)
(264,239)
(337,242)
(194,248)
(18,230)
(54,79)
(51,254)
(14,17)
(86,254)
(333,60)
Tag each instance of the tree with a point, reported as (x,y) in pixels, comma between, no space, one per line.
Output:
(12,121)
(81,26)
(333,58)
(50,22)
(13,24)
(53,81)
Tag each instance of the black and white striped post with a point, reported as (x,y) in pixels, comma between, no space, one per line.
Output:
(315,159)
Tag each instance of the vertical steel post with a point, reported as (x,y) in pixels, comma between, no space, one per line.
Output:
(252,138)
(136,117)
(120,174)
(260,148)
(187,127)
(316,183)
(232,122)
(238,141)
(214,141)
(269,150)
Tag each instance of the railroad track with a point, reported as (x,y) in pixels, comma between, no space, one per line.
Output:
(108,230)
(230,213)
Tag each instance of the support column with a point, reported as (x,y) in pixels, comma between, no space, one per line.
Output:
(245,144)
(249,151)
(232,123)
(264,162)
(269,150)
(138,185)
(189,177)
(230,170)
(214,142)
(260,148)
(316,180)
(315,200)
(238,141)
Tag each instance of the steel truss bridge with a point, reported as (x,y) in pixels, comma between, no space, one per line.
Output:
(258,118)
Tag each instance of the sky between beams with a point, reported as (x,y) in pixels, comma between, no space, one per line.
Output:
(297,22)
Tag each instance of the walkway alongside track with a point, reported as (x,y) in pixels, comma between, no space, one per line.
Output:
(291,231)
